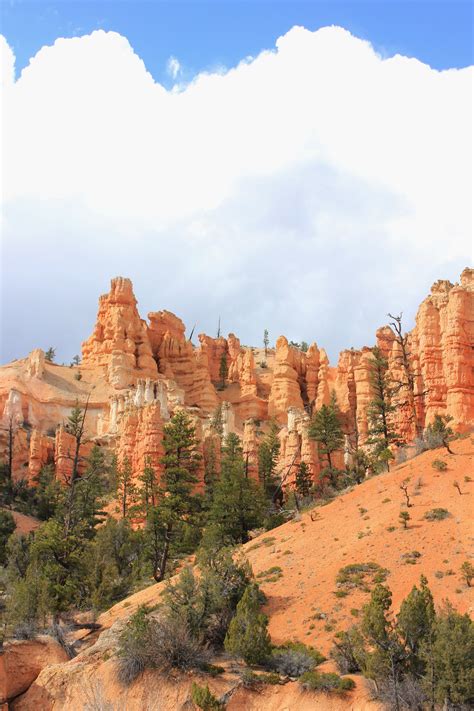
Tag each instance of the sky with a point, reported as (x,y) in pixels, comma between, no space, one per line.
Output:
(304,167)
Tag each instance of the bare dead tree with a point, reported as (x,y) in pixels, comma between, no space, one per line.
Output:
(404,488)
(408,383)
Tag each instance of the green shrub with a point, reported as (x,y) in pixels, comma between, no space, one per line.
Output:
(356,575)
(328,682)
(205,699)
(411,558)
(247,635)
(436,514)
(294,658)
(439,465)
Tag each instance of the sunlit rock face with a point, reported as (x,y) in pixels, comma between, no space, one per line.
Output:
(135,374)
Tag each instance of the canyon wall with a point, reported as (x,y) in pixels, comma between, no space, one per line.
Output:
(135,374)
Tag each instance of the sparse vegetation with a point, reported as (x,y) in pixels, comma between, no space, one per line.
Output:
(438,514)
(467,572)
(411,558)
(439,465)
(328,682)
(294,658)
(404,517)
(205,699)
(360,575)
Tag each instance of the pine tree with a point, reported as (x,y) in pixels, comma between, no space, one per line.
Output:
(268,453)
(415,623)
(452,655)
(388,655)
(75,426)
(223,370)
(326,430)
(439,433)
(7,526)
(148,489)
(381,434)
(303,480)
(127,492)
(247,636)
(404,517)
(50,354)
(47,494)
(237,505)
(177,502)
(266,341)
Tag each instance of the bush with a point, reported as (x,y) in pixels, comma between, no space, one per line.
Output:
(439,465)
(355,575)
(250,680)
(467,571)
(26,629)
(436,514)
(348,651)
(294,659)
(205,699)
(327,682)
(172,646)
(163,642)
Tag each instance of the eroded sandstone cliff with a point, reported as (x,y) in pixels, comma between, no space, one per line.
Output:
(134,374)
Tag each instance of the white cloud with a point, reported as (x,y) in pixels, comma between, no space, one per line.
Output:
(173,67)
(308,190)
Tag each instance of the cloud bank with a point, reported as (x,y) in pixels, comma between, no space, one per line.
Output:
(309,190)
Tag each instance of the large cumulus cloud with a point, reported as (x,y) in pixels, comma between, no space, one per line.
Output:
(308,190)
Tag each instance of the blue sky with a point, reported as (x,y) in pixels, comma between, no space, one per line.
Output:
(206,35)
(323,183)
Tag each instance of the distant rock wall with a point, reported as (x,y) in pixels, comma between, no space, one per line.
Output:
(136,373)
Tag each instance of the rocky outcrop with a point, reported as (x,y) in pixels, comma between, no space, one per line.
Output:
(41,453)
(120,342)
(285,390)
(140,439)
(22,661)
(64,454)
(128,364)
(178,360)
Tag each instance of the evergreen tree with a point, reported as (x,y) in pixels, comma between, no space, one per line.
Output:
(326,430)
(75,426)
(268,453)
(115,562)
(50,354)
(127,492)
(247,636)
(7,526)
(76,360)
(148,490)
(439,433)
(415,623)
(387,657)
(303,480)
(452,654)
(237,505)
(47,493)
(266,341)
(178,504)
(223,370)
(381,434)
